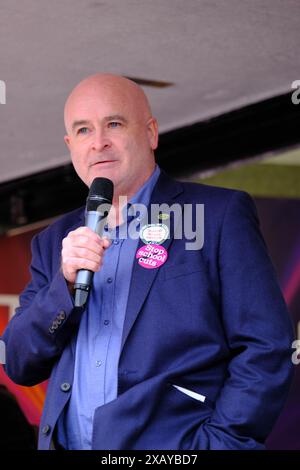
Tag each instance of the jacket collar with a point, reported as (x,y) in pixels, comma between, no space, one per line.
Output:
(165,191)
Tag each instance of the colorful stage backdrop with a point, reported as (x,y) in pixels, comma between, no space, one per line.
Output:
(280,222)
(15,258)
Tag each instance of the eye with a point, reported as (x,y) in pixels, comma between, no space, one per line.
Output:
(114,124)
(82,130)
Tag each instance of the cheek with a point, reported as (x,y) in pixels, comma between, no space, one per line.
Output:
(78,161)
(126,151)
(78,152)
(134,148)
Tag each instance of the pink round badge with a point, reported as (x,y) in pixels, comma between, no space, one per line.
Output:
(151,256)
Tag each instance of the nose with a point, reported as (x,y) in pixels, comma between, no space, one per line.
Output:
(100,141)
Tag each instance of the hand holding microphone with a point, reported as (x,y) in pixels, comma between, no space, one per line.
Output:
(83,249)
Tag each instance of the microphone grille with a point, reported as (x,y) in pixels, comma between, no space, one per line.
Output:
(101,191)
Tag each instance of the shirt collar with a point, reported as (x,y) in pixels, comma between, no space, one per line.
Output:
(142,196)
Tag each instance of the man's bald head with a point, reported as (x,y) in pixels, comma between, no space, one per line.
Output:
(113,87)
(111,131)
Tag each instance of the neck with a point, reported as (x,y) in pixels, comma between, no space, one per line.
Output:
(115,216)
(122,197)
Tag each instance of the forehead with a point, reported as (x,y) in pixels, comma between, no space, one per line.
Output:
(102,96)
(96,109)
(102,102)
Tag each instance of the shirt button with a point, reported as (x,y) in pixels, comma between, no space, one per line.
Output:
(109,280)
(65,387)
(98,363)
(106,322)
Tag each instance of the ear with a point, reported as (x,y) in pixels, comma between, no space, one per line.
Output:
(152,128)
(67,141)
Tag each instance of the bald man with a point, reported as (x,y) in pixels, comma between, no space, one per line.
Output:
(111,133)
(178,347)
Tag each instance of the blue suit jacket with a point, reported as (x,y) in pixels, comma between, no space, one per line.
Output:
(212,321)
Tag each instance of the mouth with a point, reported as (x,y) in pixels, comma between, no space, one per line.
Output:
(103,163)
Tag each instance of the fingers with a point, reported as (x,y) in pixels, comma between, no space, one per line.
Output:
(82,249)
(106,242)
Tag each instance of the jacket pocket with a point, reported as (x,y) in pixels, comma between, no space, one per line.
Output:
(184,269)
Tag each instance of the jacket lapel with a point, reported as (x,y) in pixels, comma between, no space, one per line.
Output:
(142,279)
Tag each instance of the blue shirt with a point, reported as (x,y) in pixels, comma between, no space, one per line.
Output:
(100,334)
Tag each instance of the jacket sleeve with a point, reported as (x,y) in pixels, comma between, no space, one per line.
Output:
(43,323)
(259,335)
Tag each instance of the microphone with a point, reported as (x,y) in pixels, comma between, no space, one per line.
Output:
(98,205)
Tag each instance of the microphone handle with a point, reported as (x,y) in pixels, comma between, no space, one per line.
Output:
(95,221)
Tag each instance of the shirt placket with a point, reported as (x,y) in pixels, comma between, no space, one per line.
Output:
(101,358)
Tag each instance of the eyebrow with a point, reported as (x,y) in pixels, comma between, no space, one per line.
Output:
(79,123)
(113,117)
